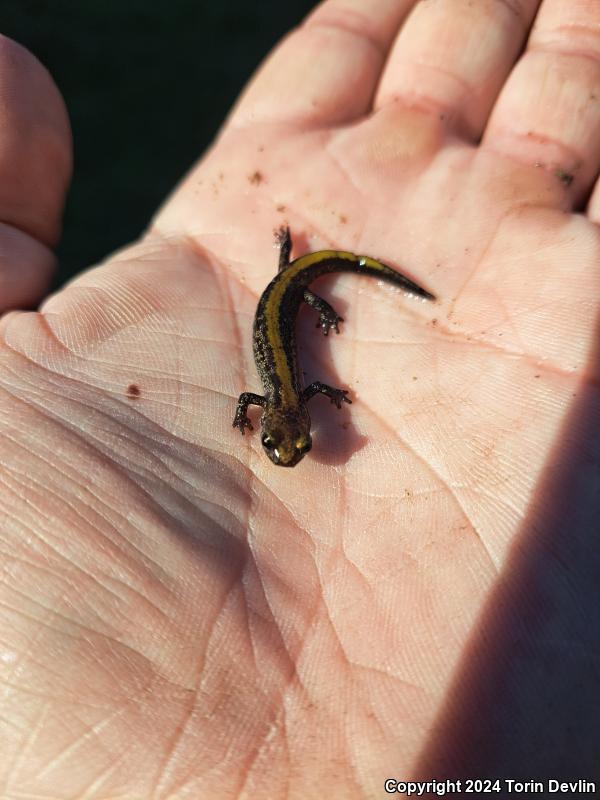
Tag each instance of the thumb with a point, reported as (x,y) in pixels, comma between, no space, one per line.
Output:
(35,169)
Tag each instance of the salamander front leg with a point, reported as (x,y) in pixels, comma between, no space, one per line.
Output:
(336,396)
(328,316)
(241,419)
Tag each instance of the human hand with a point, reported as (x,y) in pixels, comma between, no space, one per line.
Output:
(180,617)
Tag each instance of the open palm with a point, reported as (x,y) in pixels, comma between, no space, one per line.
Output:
(181,618)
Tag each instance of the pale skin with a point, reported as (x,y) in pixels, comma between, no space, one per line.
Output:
(180,618)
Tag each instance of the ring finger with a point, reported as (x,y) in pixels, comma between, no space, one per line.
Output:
(548,113)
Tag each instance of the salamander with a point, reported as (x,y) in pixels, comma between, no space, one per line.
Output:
(285,419)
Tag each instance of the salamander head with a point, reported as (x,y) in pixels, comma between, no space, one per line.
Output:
(286,435)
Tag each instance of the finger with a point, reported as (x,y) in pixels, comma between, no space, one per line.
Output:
(35,167)
(325,72)
(452,57)
(26,267)
(548,114)
(593,210)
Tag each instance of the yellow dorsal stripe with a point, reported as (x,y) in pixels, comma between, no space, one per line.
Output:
(272,309)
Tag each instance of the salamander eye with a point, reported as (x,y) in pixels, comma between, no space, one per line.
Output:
(303,445)
(268,441)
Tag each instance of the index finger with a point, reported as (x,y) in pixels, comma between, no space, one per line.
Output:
(326,71)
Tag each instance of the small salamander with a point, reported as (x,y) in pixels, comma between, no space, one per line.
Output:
(285,420)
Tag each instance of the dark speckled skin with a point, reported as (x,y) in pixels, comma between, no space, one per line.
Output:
(285,419)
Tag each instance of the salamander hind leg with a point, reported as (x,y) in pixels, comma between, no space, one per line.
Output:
(283,238)
(328,316)
(241,419)
(337,396)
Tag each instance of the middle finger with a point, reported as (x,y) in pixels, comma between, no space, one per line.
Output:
(452,57)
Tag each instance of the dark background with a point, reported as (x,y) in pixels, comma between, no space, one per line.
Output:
(147,86)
